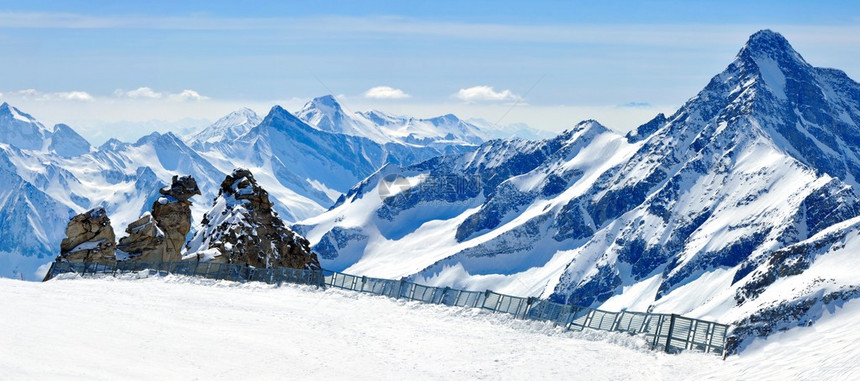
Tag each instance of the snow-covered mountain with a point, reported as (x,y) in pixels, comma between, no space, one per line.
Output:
(327,114)
(54,174)
(20,129)
(228,128)
(690,213)
(507,131)
(307,168)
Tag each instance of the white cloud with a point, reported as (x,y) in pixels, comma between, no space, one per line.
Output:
(33,94)
(26,93)
(188,95)
(486,94)
(385,92)
(140,92)
(74,96)
(148,93)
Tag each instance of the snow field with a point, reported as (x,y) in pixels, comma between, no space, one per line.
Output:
(191,328)
(179,327)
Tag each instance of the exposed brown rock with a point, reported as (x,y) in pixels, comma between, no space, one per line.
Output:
(89,238)
(172,213)
(243,228)
(159,236)
(145,242)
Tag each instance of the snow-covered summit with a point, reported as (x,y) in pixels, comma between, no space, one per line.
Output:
(226,129)
(327,114)
(20,129)
(68,143)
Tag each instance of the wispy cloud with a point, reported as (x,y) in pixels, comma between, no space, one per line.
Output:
(342,26)
(140,92)
(385,92)
(636,104)
(486,94)
(33,94)
(149,93)
(188,95)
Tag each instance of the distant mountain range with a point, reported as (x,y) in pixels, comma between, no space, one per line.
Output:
(306,163)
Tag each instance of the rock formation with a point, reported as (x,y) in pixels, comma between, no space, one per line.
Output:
(243,228)
(145,241)
(89,238)
(172,212)
(159,236)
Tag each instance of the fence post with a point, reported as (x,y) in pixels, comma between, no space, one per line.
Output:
(529,301)
(671,329)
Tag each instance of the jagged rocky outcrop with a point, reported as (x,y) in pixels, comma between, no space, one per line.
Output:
(89,238)
(160,235)
(243,228)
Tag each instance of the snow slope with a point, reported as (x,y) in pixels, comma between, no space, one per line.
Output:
(178,327)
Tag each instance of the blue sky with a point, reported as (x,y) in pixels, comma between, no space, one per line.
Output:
(99,64)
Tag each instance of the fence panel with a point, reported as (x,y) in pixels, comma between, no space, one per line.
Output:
(513,305)
(423,293)
(631,322)
(579,318)
(450,296)
(469,299)
(602,320)
(491,300)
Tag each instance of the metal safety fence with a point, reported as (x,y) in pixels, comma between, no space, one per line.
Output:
(666,332)
(223,271)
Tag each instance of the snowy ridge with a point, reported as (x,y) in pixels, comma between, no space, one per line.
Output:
(327,114)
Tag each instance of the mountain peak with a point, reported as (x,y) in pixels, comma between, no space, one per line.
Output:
(14,113)
(278,116)
(767,38)
(767,44)
(328,100)
(321,107)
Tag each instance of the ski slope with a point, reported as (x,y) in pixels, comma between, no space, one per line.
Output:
(186,328)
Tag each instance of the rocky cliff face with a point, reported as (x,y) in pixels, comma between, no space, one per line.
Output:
(242,227)
(89,238)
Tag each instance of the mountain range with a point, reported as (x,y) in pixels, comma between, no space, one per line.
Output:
(740,207)
(53,174)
